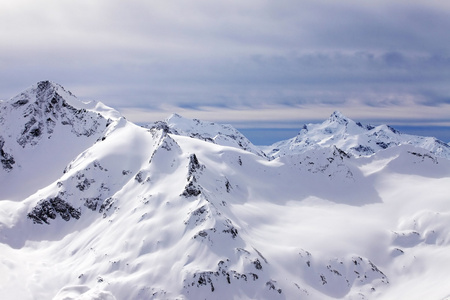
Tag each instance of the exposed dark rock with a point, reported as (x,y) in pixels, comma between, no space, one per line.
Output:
(441,143)
(227,186)
(200,137)
(191,190)
(338,152)
(198,216)
(29,132)
(260,255)
(271,285)
(199,211)
(49,109)
(166,145)
(221,274)
(49,209)
(161,125)
(202,233)
(343,272)
(106,206)
(324,280)
(257,264)
(20,102)
(99,166)
(363,149)
(92,203)
(231,230)
(6,159)
(84,184)
(193,166)
(393,130)
(139,177)
(383,145)
(424,156)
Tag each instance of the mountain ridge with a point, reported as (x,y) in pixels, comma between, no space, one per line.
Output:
(160,212)
(354,138)
(225,135)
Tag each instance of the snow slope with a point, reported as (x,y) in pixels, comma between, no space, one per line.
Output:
(354,138)
(149,214)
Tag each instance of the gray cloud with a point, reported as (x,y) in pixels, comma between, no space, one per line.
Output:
(232,54)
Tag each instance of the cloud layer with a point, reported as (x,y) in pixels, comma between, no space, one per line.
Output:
(237,61)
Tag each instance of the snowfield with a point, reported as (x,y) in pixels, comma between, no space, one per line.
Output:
(93,206)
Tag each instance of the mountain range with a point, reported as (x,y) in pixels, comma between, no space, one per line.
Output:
(93,206)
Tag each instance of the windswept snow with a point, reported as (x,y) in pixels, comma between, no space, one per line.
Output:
(171,211)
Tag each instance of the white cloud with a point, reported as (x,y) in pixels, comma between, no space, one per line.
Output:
(283,116)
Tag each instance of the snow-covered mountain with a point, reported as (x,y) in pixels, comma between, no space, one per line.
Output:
(354,138)
(224,135)
(43,128)
(163,212)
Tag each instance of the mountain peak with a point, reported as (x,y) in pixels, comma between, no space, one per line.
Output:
(338,117)
(50,87)
(47,84)
(44,108)
(354,138)
(175,116)
(43,93)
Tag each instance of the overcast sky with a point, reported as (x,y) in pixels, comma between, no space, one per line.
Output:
(254,64)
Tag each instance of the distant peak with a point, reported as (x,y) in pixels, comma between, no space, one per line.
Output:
(175,116)
(337,116)
(46,85)
(45,95)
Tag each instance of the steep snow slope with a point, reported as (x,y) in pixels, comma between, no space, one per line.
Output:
(224,135)
(41,130)
(148,214)
(353,138)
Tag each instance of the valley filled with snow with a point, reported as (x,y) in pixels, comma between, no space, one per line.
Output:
(93,206)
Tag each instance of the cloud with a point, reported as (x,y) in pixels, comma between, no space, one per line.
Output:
(287,116)
(235,58)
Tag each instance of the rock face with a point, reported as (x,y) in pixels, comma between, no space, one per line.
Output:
(6,159)
(40,120)
(49,209)
(171,211)
(354,138)
(42,107)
